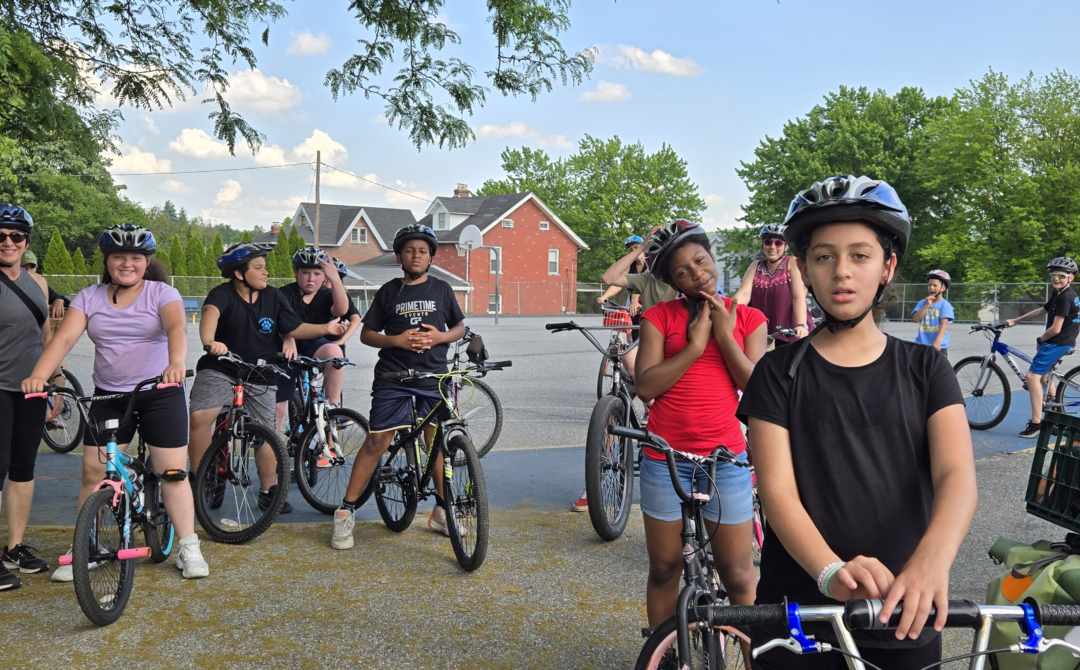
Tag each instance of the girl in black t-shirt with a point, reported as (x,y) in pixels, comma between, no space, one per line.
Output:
(861,444)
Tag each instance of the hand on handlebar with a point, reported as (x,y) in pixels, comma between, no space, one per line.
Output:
(174,374)
(288,348)
(923,583)
(216,348)
(34,385)
(862,578)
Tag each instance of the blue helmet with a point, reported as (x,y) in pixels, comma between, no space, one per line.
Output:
(309,257)
(239,254)
(415,231)
(15,218)
(632,240)
(127,237)
(340,265)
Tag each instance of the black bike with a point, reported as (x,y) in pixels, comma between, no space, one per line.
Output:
(610,462)
(476,402)
(64,425)
(322,441)
(404,476)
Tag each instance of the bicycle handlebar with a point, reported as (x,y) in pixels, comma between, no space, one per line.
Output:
(557,327)
(337,361)
(53,389)
(260,365)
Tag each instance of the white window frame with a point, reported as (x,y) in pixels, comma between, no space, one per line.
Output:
(491,301)
(507,223)
(441,219)
(544,225)
(556,261)
(359,235)
(491,260)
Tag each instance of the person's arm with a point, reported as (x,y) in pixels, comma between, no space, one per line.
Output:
(337,288)
(918,313)
(611,292)
(798,304)
(622,267)
(742,295)
(1054,329)
(635,303)
(436,336)
(924,581)
(208,330)
(653,375)
(311,331)
(410,340)
(1024,317)
(288,347)
(354,324)
(175,325)
(57,347)
(740,364)
(941,333)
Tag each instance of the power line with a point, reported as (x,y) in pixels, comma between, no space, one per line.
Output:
(151,174)
(390,188)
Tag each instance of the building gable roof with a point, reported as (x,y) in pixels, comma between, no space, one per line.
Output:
(335,222)
(485,211)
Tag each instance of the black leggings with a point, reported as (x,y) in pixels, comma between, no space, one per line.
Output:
(21,422)
(909,658)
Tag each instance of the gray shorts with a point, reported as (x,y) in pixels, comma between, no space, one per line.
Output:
(214,390)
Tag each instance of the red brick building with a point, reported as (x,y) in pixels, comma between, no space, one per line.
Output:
(539,251)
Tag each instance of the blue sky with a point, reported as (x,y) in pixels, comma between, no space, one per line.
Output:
(709,78)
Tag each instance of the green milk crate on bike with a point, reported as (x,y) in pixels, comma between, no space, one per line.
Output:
(1053,491)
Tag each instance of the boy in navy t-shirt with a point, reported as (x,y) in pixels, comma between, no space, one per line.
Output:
(934,313)
(412,322)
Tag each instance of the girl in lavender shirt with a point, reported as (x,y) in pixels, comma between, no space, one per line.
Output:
(137,325)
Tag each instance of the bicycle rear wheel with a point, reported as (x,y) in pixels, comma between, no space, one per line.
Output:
(986,403)
(103,582)
(609,469)
(478,406)
(714,649)
(465,502)
(157,529)
(227,500)
(395,492)
(322,475)
(1068,392)
(65,432)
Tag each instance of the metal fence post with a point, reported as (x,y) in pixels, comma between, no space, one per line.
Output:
(997,310)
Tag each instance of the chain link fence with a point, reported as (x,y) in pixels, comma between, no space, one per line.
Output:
(975,303)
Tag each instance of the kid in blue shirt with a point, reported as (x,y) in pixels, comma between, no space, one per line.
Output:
(934,312)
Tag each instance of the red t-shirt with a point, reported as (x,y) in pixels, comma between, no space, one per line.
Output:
(698,412)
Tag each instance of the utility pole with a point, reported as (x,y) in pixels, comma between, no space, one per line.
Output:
(318,171)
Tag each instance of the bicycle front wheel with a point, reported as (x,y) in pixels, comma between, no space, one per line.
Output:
(465,502)
(609,469)
(227,500)
(606,379)
(986,399)
(103,582)
(65,432)
(323,467)
(712,649)
(157,528)
(1068,392)
(481,409)
(395,493)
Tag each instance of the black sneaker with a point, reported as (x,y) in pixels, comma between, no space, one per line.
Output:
(1031,430)
(8,581)
(19,557)
(265,498)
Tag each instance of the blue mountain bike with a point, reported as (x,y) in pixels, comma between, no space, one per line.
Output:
(986,389)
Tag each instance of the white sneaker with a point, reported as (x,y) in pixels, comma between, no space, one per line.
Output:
(189,558)
(437,521)
(344,521)
(63,573)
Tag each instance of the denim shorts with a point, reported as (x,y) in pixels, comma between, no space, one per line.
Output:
(734,505)
(1046,357)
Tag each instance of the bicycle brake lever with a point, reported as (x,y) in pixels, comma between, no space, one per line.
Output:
(1046,643)
(793,646)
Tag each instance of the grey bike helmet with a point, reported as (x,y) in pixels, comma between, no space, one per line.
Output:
(309,257)
(1063,263)
(666,240)
(772,230)
(940,275)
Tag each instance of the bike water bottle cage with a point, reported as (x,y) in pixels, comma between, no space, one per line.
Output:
(174,475)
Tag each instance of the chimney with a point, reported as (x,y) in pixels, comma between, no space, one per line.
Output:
(462,191)
(275,227)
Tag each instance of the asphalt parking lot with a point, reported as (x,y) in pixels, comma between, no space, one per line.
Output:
(551,594)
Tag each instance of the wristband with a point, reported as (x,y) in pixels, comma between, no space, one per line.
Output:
(800,325)
(825,574)
(828,581)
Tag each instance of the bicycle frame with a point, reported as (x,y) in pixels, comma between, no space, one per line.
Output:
(414,437)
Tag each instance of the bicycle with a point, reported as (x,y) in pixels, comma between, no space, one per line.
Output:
(405,472)
(610,463)
(64,431)
(787,620)
(701,582)
(783,332)
(986,389)
(103,548)
(226,493)
(614,315)
(481,408)
(322,441)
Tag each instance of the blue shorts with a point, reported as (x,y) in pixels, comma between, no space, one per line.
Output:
(734,505)
(391,407)
(1046,357)
(287,390)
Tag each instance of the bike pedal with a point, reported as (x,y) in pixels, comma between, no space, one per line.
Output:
(646,632)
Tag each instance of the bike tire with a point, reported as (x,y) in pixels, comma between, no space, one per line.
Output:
(233,481)
(102,591)
(63,440)
(324,487)
(395,492)
(465,502)
(482,412)
(609,469)
(606,378)
(984,410)
(759,530)
(1068,392)
(157,528)
(663,642)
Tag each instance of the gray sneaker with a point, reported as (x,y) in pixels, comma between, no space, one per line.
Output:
(63,573)
(189,558)
(344,521)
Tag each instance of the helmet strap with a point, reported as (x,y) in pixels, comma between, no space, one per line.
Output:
(122,286)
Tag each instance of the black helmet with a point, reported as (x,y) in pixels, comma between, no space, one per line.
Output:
(849,198)
(340,265)
(239,254)
(666,240)
(15,218)
(940,275)
(1063,263)
(127,237)
(772,230)
(309,257)
(415,231)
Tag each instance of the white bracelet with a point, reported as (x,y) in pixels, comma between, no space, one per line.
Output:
(824,574)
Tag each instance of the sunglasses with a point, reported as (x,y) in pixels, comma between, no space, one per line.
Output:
(773,242)
(17,238)
(1053,275)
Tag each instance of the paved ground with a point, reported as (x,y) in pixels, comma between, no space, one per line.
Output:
(550,594)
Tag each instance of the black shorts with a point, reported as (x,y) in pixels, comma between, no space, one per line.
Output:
(161,417)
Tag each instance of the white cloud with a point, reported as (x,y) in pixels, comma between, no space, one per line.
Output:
(721,213)
(306,44)
(252,90)
(248,212)
(522,130)
(270,154)
(230,190)
(628,57)
(174,186)
(342,180)
(714,199)
(195,143)
(606,91)
(333,152)
(405,199)
(135,160)
(150,124)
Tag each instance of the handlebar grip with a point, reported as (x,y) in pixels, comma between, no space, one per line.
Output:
(561,326)
(749,615)
(167,385)
(1056,615)
(632,433)
(398,376)
(280,357)
(189,373)
(36,395)
(499,364)
(863,615)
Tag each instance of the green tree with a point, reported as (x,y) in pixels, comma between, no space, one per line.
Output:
(605,192)
(856,132)
(98,263)
(178,264)
(211,257)
(57,258)
(194,255)
(246,236)
(78,263)
(283,255)
(296,243)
